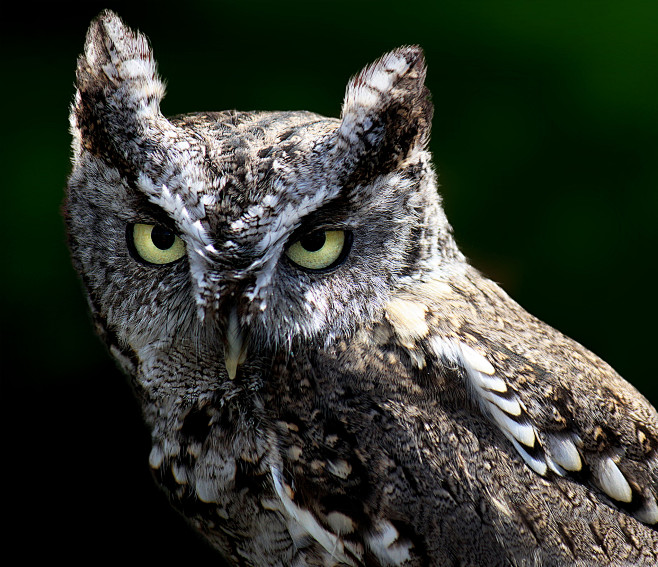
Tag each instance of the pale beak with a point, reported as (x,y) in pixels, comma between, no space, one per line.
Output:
(235,350)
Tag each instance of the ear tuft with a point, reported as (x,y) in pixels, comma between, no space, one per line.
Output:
(119,90)
(115,54)
(386,113)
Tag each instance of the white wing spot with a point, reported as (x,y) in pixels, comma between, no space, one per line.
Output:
(612,481)
(476,360)
(565,453)
(510,406)
(523,432)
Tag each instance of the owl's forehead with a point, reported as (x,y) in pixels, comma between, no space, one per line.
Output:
(245,146)
(258,133)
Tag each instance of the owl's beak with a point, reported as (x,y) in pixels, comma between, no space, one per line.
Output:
(235,350)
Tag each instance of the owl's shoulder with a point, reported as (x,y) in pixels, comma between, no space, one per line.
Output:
(566,412)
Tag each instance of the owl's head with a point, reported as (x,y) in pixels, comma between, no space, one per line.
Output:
(222,230)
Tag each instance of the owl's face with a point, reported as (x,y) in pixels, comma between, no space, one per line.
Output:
(232,234)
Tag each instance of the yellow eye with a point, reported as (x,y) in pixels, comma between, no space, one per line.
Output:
(155,244)
(319,249)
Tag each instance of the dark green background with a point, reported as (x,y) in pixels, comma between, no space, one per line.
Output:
(545,137)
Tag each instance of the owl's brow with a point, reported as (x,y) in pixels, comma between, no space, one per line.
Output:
(332,214)
(146,210)
(188,216)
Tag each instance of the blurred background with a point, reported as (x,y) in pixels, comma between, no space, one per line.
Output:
(545,138)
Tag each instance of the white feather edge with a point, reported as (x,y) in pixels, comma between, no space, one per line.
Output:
(486,387)
(383,541)
(537,465)
(481,374)
(565,453)
(523,432)
(561,453)
(612,481)
(329,541)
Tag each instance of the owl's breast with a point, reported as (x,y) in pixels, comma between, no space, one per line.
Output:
(213,462)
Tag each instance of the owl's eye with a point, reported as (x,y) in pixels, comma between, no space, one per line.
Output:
(320,249)
(154,243)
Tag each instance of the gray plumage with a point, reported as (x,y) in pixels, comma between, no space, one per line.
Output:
(326,379)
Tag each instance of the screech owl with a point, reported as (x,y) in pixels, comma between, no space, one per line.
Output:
(326,379)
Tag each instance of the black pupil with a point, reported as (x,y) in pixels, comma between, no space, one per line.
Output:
(162,237)
(313,241)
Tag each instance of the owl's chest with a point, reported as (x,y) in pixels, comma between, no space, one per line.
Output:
(217,474)
(227,481)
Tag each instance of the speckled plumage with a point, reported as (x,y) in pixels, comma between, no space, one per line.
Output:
(393,408)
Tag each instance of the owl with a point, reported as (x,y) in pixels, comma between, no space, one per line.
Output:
(326,380)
